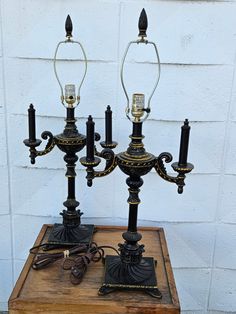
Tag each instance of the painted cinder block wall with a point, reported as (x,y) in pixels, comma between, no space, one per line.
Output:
(197,45)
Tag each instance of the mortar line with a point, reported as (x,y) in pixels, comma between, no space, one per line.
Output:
(81,118)
(164,63)
(7,143)
(123,220)
(221,178)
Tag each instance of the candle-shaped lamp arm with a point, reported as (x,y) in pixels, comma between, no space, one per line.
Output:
(90,139)
(90,161)
(108,143)
(32,142)
(107,153)
(31,122)
(108,125)
(182,166)
(184,142)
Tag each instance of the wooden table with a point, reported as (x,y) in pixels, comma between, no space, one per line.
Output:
(50,290)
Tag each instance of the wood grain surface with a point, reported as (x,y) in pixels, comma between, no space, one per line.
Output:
(50,290)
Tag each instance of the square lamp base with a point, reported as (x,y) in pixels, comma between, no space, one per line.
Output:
(112,282)
(60,236)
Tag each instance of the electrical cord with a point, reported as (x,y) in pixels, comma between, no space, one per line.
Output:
(75,259)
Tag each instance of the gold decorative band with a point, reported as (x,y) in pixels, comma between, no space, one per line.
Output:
(128,286)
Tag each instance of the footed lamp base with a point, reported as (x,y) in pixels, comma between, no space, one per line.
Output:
(122,276)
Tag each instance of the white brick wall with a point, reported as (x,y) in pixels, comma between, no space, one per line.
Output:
(197,45)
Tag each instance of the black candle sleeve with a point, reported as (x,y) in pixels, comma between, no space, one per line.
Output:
(31,120)
(108,125)
(90,139)
(184,140)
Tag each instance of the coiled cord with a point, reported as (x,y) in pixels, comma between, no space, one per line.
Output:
(73,260)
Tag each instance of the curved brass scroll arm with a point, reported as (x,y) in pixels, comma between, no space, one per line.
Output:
(161,170)
(111,162)
(160,167)
(46,135)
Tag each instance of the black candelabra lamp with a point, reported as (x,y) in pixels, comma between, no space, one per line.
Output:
(130,270)
(70,142)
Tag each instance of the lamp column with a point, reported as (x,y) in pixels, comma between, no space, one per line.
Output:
(71,217)
(131,270)
(70,231)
